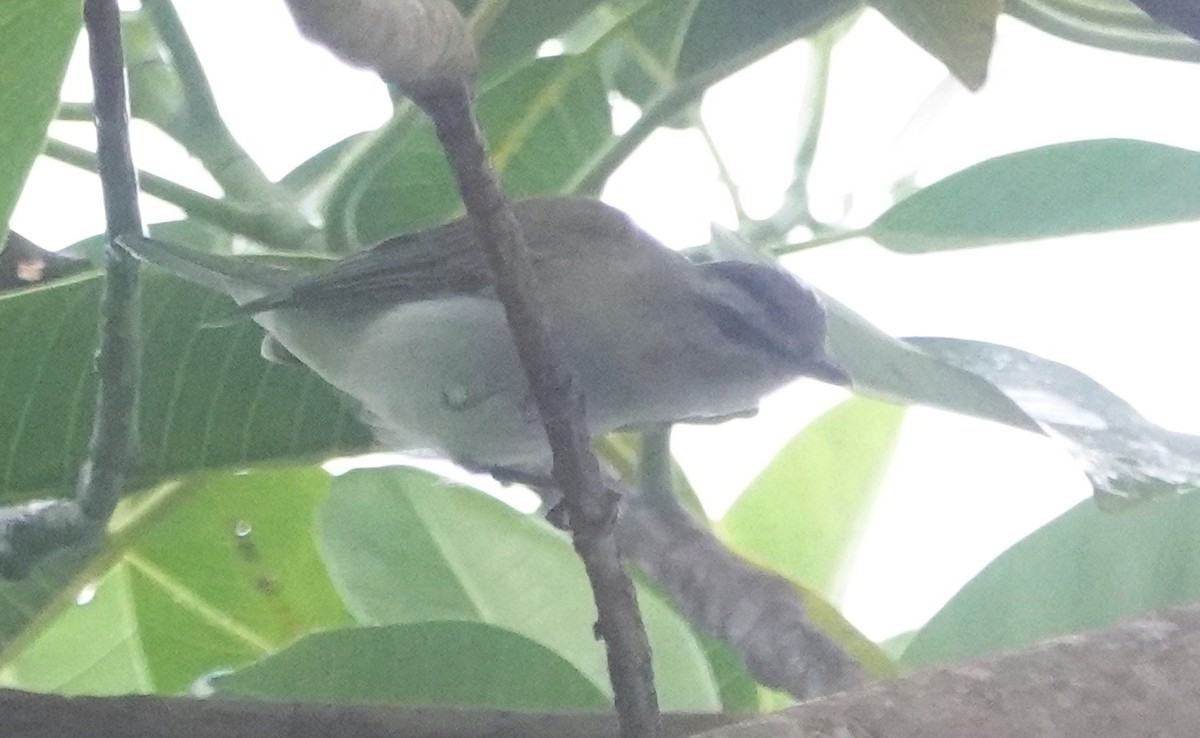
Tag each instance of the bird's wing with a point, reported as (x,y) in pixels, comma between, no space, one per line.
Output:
(407,268)
(447,259)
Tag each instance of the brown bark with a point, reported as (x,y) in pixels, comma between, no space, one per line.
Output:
(1138,679)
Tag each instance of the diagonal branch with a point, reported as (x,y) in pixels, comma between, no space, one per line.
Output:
(592,509)
(758,614)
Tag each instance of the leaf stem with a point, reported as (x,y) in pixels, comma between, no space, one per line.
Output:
(723,173)
(590,180)
(203,132)
(214,211)
(823,239)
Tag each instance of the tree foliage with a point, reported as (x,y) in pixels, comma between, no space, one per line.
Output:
(235,564)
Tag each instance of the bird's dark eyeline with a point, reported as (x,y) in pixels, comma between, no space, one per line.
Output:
(778,315)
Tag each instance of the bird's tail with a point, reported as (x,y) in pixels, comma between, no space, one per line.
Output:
(242,279)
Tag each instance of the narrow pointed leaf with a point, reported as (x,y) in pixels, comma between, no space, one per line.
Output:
(959,35)
(1125,456)
(803,515)
(1058,190)
(895,370)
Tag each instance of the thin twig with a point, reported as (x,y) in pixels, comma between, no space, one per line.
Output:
(203,132)
(823,239)
(207,137)
(221,213)
(592,509)
(796,210)
(724,175)
(591,179)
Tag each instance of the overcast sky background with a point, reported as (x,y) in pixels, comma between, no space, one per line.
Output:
(1119,307)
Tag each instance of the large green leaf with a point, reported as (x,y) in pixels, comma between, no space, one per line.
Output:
(36,37)
(208,399)
(1086,569)
(403,547)
(895,370)
(1058,190)
(1124,456)
(803,515)
(542,124)
(462,664)
(209,573)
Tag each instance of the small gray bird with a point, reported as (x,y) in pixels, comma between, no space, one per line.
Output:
(412,330)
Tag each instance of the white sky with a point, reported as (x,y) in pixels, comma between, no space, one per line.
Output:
(1117,307)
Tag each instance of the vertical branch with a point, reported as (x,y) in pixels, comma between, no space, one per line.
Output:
(118,362)
(592,508)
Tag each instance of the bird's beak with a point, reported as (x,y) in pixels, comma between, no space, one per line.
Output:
(828,370)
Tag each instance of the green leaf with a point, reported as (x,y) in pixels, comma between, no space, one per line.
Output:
(1052,191)
(959,35)
(460,664)
(36,38)
(226,561)
(804,514)
(208,398)
(547,121)
(659,47)
(899,643)
(1124,456)
(542,125)
(509,34)
(1117,25)
(1085,569)
(466,556)
(890,368)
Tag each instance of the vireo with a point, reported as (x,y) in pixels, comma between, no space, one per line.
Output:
(412,331)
